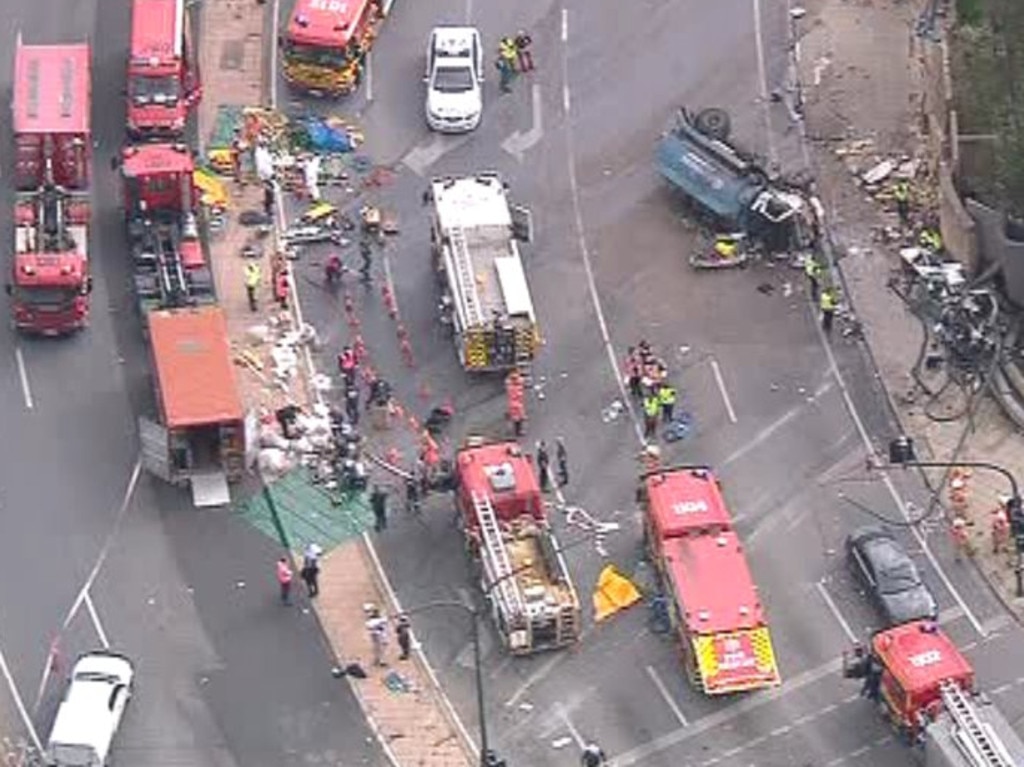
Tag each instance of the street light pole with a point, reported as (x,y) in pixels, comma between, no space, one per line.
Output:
(481,708)
(474,617)
(901,453)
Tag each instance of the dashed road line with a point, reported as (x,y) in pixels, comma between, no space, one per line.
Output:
(780,731)
(95,618)
(669,700)
(571,728)
(717,371)
(581,241)
(762,82)
(834,609)
(26,390)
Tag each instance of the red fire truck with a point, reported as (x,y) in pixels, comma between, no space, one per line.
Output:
(50,284)
(163,69)
(170,269)
(325,44)
(522,569)
(925,687)
(712,602)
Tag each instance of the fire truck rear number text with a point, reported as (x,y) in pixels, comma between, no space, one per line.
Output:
(734,656)
(331,6)
(689,507)
(925,658)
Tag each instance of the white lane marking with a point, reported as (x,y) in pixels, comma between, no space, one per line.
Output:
(519,141)
(95,618)
(571,728)
(755,701)
(426,153)
(722,390)
(51,659)
(26,390)
(565,25)
(669,700)
(766,433)
(107,545)
(534,678)
(887,480)
(581,241)
(22,711)
(566,99)
(369,76)
(762,84)
(834,609)
(275,24)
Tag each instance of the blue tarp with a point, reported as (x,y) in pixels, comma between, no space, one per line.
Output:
(324,138)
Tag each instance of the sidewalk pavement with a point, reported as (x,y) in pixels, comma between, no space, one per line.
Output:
(855,88)
(414,721)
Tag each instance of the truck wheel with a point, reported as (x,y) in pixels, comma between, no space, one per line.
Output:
(714,123)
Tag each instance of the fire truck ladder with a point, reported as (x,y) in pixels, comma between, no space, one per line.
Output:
(465,278)
(976,738)
(502,575)
(168,258)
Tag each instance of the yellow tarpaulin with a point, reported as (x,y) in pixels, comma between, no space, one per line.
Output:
(214,191)
(614,592)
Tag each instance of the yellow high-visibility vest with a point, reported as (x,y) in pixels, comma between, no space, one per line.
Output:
(252,275)
(667,395)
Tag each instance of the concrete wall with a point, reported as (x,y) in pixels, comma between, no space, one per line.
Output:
(958,228)
(996,248)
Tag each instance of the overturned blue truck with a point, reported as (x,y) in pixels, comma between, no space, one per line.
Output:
(728,187)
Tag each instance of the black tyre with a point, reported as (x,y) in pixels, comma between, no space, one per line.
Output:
(714,123)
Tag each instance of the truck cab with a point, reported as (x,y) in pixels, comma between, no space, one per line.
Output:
(325,42)
(926,688)
(163,70)
(160,201)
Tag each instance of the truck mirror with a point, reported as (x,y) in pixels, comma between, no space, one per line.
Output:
(88,285)
(280,41)
(115,162)
(8,289)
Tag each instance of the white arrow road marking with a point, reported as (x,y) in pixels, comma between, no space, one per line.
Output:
(425,154)
(519,142)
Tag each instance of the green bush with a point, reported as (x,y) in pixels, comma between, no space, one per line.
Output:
(969,12)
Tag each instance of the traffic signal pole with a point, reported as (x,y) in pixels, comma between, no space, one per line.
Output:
(901,453)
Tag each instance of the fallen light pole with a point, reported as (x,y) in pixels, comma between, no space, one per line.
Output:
(901,453)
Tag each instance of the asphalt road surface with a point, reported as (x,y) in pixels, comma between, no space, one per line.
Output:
(94,552)
(785,422)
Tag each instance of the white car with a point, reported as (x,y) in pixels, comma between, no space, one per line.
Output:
(454,79)
(89,715)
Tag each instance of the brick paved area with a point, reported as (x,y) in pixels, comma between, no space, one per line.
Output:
(853,91)
(416,726)
(412,723)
